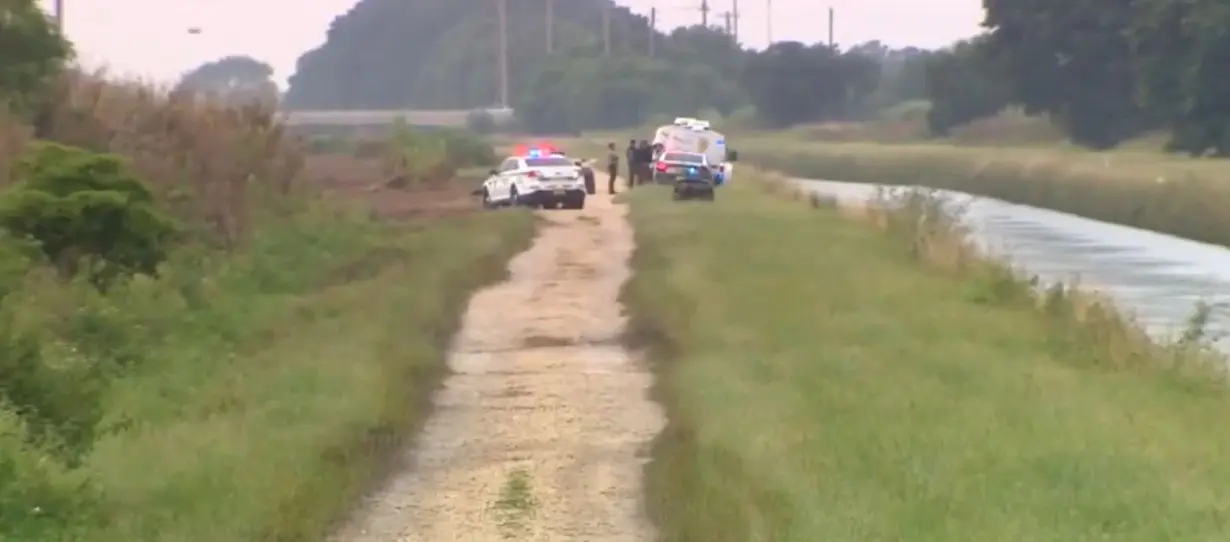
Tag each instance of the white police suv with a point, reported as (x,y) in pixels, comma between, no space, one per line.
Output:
(536,179)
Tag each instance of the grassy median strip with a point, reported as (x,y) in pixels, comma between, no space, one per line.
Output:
(825,383)
(272,389)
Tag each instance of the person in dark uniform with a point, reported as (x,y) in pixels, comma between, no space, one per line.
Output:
(612,167)
(644,162)
(630,156)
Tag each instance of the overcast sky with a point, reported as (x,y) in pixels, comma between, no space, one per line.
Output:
(150,37)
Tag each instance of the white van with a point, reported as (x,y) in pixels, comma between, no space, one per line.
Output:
(693,138)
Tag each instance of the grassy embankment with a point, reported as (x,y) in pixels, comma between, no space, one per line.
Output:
(248,393)
(862,375)
(1141,188)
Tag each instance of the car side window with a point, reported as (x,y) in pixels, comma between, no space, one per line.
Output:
(509,165)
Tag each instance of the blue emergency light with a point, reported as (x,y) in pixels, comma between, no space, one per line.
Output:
(692,170)
(535,153)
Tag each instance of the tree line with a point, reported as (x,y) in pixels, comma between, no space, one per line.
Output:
(1103,70)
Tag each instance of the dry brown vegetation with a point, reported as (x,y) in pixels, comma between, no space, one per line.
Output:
(202,158)
(205,159)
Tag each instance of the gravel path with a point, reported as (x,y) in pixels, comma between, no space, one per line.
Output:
(540,432)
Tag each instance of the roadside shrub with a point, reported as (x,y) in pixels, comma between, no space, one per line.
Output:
(55,392)
(468,149)
(412,157)
(209,164)
(481,122)
(40,498)
(88,213)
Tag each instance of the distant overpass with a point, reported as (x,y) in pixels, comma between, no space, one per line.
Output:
(373,118)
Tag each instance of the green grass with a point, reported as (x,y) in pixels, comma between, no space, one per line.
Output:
(271,386)
(824,383)
(1145,189)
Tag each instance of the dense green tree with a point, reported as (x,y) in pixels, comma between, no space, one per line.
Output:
(88,213)
(1182,52)
(441,54)
(31,52)
(235,79)
(902,75)
(962,85)
(1070,59)
(790,82)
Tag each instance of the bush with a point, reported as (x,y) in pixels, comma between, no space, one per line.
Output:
(87,212)
(414,157)
(481,122)
(467,149)
(40,498)
(210,165)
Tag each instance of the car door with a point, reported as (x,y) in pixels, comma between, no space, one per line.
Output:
(492,185)
(509,173)
(499,181)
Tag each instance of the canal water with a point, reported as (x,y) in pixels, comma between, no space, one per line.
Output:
(1158,277)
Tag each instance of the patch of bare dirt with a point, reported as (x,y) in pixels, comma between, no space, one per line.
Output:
(341,175)
(539,432)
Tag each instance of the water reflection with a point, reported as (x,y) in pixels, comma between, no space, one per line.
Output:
(1159,277)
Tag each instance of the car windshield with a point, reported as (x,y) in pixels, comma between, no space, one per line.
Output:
(684,157)
(551,161)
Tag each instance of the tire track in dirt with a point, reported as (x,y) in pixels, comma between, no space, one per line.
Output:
(542,430)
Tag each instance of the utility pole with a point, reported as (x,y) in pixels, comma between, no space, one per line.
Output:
(735,9)
(550,26)
(769,19)
(704,13)
(831,28)
(502,50)
(730,30)
(653,30)
(59,14)
(606,30)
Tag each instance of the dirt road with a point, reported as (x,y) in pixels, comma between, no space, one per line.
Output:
(540,432)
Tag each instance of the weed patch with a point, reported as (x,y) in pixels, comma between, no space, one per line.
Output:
(514,509)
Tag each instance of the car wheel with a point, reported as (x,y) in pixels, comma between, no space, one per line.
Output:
(487,203)
(514,199)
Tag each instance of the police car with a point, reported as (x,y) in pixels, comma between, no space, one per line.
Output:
(690,172)
(537,178)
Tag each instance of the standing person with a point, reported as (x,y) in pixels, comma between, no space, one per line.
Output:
(644,162)
(630,155)
(612,167)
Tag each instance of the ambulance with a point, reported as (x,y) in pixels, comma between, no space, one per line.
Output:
(687,134)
